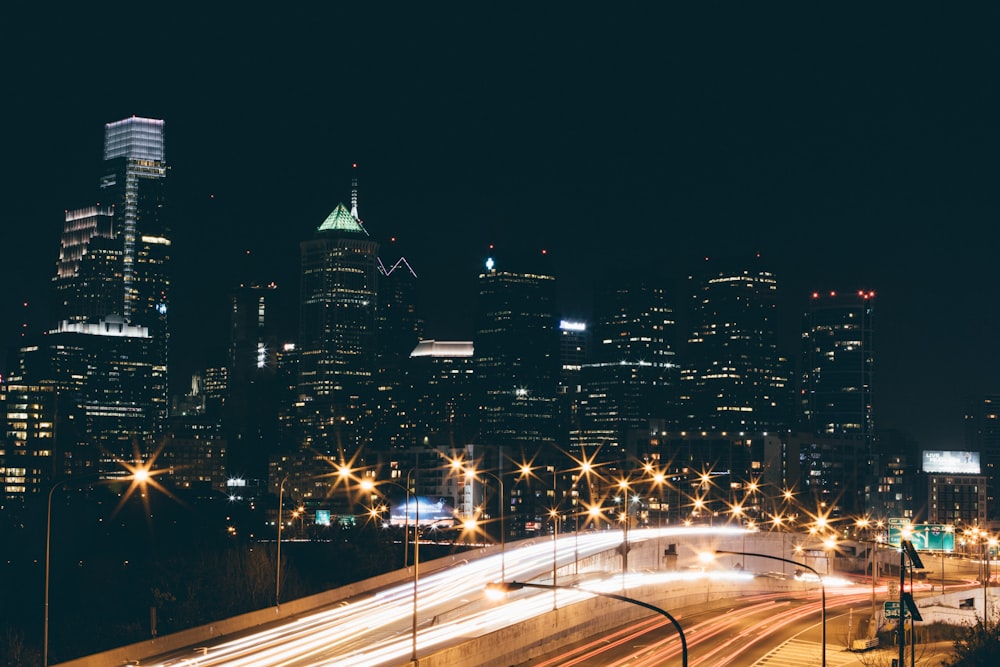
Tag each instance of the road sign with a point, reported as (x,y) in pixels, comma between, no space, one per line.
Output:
(924,536)
(890,609)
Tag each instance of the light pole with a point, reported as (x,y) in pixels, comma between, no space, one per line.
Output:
(277,560)
(508,586)
(554,514)
(792,562)
(471,474)
(140,475)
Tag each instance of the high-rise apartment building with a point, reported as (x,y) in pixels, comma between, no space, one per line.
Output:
(733,377)
(337,335)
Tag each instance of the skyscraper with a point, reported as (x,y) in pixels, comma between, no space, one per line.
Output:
(836,396)
(337,335)
(839,461)
(134,179)
(733,377)
(629,382)
(517,360)
(106,353)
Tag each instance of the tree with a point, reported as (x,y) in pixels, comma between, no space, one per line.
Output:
(979,646)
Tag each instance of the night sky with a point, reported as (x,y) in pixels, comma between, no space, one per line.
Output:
(852,148)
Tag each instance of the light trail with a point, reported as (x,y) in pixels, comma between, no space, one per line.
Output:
(375,630)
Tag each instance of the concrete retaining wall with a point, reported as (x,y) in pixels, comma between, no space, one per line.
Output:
(579,620)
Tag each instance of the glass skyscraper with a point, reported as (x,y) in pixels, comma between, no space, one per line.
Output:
(733,377)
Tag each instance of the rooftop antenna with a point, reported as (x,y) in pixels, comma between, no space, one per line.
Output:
(354,193)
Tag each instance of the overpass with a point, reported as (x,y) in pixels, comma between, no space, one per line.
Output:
(664,570)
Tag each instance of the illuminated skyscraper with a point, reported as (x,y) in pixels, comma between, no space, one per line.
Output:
(629,385)
(733,378)
(106,352)
(337,335)
(839,460)
(517,360)
(838,359)
(135,173)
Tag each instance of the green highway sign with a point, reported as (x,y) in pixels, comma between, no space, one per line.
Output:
(923,536)
(890,609)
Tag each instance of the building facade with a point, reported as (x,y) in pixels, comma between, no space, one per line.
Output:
(337,335)
(733,376)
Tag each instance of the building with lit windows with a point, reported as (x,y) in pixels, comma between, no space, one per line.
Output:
(517,360)
(982,434)
(733,376)
(105,379)
(133,182)
(250,423)
(628,386)
(28,456)
(442,379)
(953,488)
(337,335)
(836,391)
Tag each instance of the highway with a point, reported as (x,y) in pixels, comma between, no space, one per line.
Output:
(376,630)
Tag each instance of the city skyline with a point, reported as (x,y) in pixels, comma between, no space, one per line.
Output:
(848,168)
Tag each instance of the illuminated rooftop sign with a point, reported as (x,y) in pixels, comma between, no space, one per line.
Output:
(569,325)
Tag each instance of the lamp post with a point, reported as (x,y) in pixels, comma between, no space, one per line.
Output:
(277,560)
(471,474)
(554,514)
(139,475)
(508,586)
(821,584)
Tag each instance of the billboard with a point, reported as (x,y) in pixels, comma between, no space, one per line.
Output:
(435,511)
(959,463)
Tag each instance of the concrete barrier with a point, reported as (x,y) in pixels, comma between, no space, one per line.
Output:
(646,554)
(138,652)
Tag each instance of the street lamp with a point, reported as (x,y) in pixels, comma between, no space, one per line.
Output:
(139,476)
(507,586)
(744,554)
(277,564)
(470,475)
(554,515)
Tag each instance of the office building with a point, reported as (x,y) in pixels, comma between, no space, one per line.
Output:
(733,376)
(28,455)
(134,184)
(836,392)
(442,380)
(982,434)
(337,351)
(628,386)
(517,360)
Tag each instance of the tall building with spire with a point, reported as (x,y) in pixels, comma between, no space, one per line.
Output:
(338,335)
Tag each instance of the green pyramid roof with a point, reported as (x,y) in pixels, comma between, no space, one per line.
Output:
(341,220)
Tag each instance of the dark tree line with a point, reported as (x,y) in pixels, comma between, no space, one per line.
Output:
(160,563)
